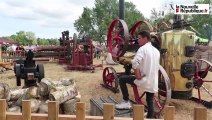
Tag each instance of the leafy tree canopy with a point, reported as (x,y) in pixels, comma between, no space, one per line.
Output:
(96,21)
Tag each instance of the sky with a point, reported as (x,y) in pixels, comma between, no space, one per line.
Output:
(48,18)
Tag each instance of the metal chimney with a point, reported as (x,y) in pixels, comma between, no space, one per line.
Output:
(121,9)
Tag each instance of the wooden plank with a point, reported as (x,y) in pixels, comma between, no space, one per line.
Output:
(169,113)
(200,113)
(34,116)
(80,114)
(26,109)
(108,111)
(53,110)
(2,109)
(138,112)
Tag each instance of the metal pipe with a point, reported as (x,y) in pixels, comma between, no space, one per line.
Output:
(121,9)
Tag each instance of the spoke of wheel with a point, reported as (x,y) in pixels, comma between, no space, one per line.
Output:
(142,95)
(118,43)
(107,71)
(158,103)
(199,95)
(161,90)
(111,84)
(207,81)
(207,90)
(110,76)
(114,45)
(118,53)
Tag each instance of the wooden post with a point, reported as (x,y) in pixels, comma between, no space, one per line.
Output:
(2,109)
(200,113)
(26,110)
(138,112)
(80,112)
(0,53)
(53,110)
(169,113)
(108,111)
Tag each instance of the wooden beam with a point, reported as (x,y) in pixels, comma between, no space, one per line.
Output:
(26,110)
(108,111)
(2,109)
(200,114)
(169,113)
(138,112)
(53,110)
(80,114)
(34,116)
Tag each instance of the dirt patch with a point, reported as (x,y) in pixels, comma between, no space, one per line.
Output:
(88,84)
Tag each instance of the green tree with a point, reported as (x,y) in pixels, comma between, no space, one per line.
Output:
(53,41)
(12,37)
(21,38)
(42,41)
(96,21)
(132,15)
(24,38)
(203,23)
(30,37)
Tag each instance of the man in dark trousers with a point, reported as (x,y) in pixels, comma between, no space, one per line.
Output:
(146,66)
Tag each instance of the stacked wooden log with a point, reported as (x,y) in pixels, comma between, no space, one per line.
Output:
(5,66)
(2,70)
(64,91)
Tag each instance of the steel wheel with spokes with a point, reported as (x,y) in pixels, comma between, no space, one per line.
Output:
(110,79)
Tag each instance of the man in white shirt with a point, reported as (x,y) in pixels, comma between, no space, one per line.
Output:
(145,65)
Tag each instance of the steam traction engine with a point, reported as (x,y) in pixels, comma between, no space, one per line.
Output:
(29,71)
(177,62)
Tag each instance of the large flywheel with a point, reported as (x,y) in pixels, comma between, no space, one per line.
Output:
(118,38)
(140,26)
(162,97)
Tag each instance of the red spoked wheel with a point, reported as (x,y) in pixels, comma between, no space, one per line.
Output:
(162,98)
(118,38)
(202,80)
(162,27)
(110,79)
(140,26)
